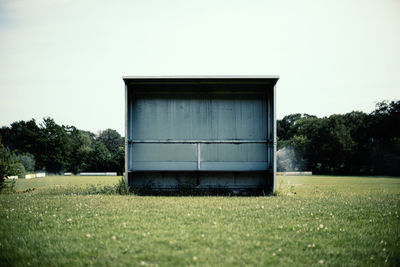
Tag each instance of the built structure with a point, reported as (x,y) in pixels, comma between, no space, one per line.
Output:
(208,133)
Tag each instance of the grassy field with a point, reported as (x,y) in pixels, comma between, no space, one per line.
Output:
(318,220)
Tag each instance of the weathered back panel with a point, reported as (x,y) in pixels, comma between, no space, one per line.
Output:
(205,135)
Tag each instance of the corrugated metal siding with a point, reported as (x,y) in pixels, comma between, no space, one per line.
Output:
(206,117)
(197,117)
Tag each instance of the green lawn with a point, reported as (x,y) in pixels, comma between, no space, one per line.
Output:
(351,221)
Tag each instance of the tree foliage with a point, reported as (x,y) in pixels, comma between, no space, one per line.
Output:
(9,164)
(56,148)
(353,143)
(111,139)
(28,160)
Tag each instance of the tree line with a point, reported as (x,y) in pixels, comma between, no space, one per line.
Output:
(26,146)
(355,143)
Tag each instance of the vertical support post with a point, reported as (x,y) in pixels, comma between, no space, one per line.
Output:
(274,139)
(126,136)
(269,126)
(198,156)
(269,102)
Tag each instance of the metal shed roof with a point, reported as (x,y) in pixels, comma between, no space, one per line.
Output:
(198,79)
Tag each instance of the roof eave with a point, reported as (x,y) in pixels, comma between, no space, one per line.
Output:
(268,79)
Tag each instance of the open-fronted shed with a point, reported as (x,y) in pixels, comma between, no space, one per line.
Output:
(201,132)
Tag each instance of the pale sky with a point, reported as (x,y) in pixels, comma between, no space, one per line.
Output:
(66,58)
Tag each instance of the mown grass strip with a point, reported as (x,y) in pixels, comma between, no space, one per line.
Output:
(329,221)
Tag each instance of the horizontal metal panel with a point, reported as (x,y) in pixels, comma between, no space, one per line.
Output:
(234,152)
(161,153)
(163,166)
(233,166)
(164,152)
(202,156)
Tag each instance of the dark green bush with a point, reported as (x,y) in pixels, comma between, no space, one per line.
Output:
(7,185)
